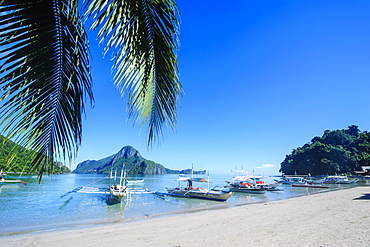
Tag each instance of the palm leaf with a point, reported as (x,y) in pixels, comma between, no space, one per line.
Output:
(45,77)
(144,36)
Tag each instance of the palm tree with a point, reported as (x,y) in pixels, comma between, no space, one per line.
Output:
(45,77)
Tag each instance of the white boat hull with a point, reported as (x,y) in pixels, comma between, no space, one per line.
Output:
(248,190)
(200,194)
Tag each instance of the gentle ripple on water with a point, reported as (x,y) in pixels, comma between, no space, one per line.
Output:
(39,206)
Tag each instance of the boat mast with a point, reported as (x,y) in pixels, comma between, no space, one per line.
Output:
(111,176)
(124,178)
(120,181)
(208,180)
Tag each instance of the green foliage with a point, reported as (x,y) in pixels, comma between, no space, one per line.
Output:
(45,73)
(144,38)
(45,78)
(338,151)
(15,158)
(137,165)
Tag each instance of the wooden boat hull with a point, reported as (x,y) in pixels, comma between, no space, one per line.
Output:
(116,198)
(223,196)
(117,193)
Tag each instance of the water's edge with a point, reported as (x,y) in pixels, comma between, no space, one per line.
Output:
(86,225)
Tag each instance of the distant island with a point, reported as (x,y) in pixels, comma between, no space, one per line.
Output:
(17,159)
(335,152)
(134,164)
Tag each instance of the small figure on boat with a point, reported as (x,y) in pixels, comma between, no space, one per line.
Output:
(190,183)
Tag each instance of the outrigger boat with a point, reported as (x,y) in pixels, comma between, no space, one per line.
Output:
(245,187)
(118,191)
(115,192)
(312,182)
(6,181)
(251,184)
(339,180)
(196,192)
(292,180)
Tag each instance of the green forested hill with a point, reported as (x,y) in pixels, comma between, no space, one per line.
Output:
(335,152)
(134,164)
(15,158)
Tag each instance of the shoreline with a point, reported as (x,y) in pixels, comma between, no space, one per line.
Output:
(332,218)
(87,223)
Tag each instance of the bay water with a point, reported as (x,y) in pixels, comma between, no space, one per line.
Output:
(48,205)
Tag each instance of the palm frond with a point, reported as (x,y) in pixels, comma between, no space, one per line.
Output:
(144,36)
(44,77)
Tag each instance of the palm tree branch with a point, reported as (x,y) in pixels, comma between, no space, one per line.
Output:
(45,77)
(144,37)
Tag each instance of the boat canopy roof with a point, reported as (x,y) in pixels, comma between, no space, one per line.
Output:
(247,178)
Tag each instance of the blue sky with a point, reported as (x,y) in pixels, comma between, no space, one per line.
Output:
(260,77)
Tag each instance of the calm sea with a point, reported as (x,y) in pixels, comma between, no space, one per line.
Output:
(39,206)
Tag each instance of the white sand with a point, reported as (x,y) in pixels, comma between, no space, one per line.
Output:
(337,218)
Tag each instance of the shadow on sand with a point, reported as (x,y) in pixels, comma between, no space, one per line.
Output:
(363,197)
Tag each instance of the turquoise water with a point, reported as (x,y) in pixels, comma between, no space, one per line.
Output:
(37,206)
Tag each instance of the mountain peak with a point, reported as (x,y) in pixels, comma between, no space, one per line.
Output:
(127,152)
(134,163)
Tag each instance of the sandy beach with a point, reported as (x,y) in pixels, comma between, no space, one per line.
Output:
(336,218)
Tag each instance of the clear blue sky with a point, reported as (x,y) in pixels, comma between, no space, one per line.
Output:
(261,78)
